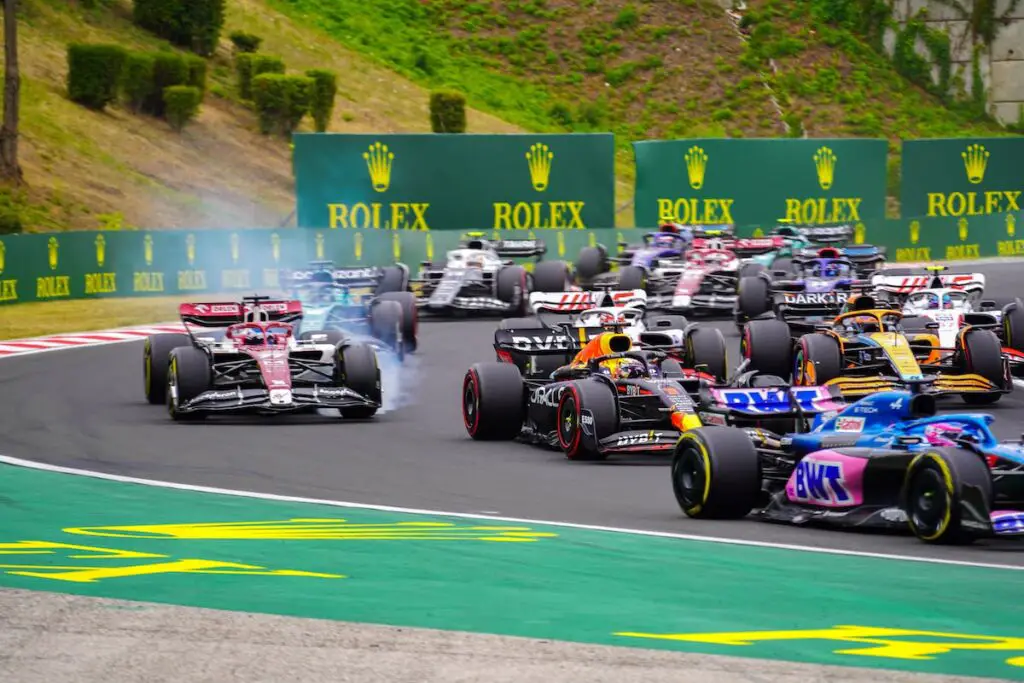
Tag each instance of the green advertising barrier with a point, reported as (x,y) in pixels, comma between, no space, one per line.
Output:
(962,177)
(909,240)
(454,182)
(716,181)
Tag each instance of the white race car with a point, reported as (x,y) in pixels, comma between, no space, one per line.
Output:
(625,308)
(948,308)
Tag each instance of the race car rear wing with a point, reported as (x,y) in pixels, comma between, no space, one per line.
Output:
(827,235)
(572,302)
(505,248)
(908,284)
(743,247)
(346,276)
(222,314)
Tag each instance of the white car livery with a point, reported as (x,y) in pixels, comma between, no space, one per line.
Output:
(604,308)
(946,307)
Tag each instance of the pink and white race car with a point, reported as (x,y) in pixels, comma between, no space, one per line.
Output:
(708,282)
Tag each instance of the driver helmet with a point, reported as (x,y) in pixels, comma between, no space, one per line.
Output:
(947,300)
(933,301)
(253,336)
(832,269)
(623,368)
(475,261)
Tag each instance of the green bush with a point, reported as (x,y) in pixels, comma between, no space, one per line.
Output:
(245,42)
(194,24)
(325,87)
(243,69)
(94,73)
(447,112)
(10,221)
(137,79)
(182,104)
(266,64)
(281,101)
(169,68)
(197,73)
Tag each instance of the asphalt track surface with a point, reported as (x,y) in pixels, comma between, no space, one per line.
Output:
(85,409)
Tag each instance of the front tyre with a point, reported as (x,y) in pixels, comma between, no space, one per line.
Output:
(188,375)
(156,360)
(356,368)
(586,411)
(940,487)
(716,473)
(982,354)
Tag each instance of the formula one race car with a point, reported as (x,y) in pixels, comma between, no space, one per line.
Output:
(887,461)
(625,311)
(819,289)
(479,276)
(654,265)
(256,365)
(866,349)
(369,304)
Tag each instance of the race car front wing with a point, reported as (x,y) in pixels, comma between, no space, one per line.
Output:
(275,400)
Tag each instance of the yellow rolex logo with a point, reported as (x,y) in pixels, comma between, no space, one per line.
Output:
(915,231)
(101,250)
(1011,230)
(275,246)
(147,249)
(975,162)
(396,246)
(2,250)
(858,233)
(319,246)
(696,166)
(53,247)
(825,165)
(234,247)
(190,248)
(539,159)
(962,224)
(378,161)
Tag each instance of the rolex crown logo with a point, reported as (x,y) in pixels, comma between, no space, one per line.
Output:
(539,159)
(147,249)
(2,255)
(53,249)
(275,247)
(825,165)
(696,165)
(378,161)
(190,248)
(915,231)
(234,247)
(962,224)
(975,162)
(101,250)
(859,233)
(1011,226)
(319,245)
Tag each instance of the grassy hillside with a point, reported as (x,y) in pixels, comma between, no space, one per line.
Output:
(86,169)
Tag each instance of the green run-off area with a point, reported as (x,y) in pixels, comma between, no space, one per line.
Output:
(95,537)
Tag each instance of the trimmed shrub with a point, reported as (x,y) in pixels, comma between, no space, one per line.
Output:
(266,64)
(10,221)
(243,69)
(193,24)
(321,106)
(281,101)
(182,104)
(169,68)
(447,112)
(94,73)
(245,42)
(137,79)
(197,73)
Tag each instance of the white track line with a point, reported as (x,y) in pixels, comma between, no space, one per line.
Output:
(18,462)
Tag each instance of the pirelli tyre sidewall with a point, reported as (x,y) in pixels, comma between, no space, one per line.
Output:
(587,411)
(591,262)
(817,360)
(156,359)
(753,298)
(632,277)
(1013,325)
(768,346)
(705,350)
(386,319)
(356,367)
(550,276)
(188,375)
(947,496)
(980,353)
(410,317)
(509,279)
(493,401)
(716,473)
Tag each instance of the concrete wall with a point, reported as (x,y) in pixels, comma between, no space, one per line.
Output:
(1002,67)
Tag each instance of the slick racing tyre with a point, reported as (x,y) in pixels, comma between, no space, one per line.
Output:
(591,262)
(941,486)
(982,354)
(386,320)
(704,350)
(751,269)
(188,375)
(393,279)
(156,359)
(783,263)
(817,360)
(716,473)
(332,337)
(410,317)
(550,276)
(511,279)
(632,277)
(752,299)
(586,411)
(768,347)
(356,367)
(493,407)
(1013,325)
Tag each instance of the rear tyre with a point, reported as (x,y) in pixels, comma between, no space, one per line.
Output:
(752,299)
(783,263)
(632,277)
(817,360)
(716,473)
(410,317)
(751,269)
(939,485)
(550,276)
(188,375)
(591,262)
(393,279)
(586,411)
(705,346)
(493,407)
(386,323)
(512,288)
(156,360)
(982,354)
(1013,325)
(768,346)
(356,367)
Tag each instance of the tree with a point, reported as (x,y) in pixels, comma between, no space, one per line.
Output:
(10,169)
